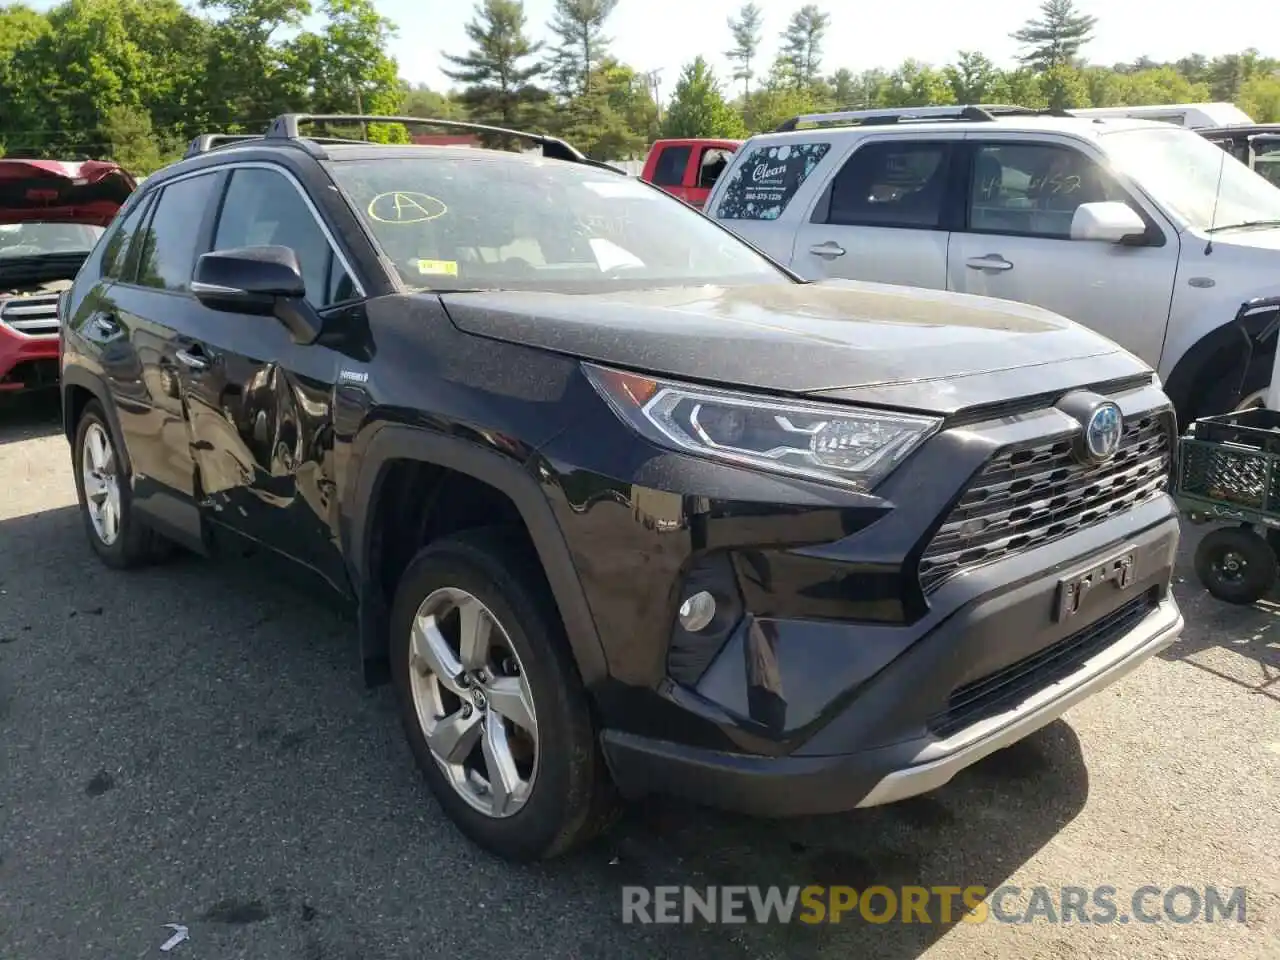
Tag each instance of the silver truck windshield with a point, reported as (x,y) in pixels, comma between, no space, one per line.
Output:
(1181,170)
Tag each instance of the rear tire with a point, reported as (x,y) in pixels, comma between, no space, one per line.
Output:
(1236,565)
(562,795)
(103,486)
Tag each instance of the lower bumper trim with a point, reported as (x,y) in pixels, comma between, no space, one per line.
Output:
(797,785)
(1160,629)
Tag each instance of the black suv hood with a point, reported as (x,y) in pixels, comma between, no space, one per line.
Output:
(874,342)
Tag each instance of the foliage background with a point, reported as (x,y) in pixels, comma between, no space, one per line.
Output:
(135,80)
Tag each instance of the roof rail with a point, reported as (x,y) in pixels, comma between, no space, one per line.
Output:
(286,126)
(214,141)
(211,141)
(980,112)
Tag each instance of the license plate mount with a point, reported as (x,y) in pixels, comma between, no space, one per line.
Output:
(1120,571)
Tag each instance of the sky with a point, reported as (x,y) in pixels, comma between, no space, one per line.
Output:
(666,34)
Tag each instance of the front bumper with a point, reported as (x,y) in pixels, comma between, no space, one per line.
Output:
(27,363)
(1002,657)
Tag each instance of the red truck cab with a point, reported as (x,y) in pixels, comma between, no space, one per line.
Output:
(688,168)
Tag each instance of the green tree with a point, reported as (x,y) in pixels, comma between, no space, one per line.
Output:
(630,97)
(1063,87)
(1259,97)
(134,144)
(844,87)
(419,100)
(1057,37)
(915,84)
(802,43)
(247,80)
(698,108)
(578,26)
(973,78)
(745,29)
(498,74)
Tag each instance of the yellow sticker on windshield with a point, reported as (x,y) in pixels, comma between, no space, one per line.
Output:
(400,206)
(447,268)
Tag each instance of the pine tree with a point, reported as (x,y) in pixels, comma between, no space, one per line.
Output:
(580,45)
(1056,38)
(746,43)
(698,108)
(496,77)
(802,43)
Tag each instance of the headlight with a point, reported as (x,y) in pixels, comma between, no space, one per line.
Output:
(848,446)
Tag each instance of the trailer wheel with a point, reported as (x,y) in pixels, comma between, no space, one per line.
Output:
(1236,565)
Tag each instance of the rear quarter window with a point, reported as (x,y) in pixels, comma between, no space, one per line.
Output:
(761,186)
(671,166)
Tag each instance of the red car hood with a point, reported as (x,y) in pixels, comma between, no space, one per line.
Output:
(58,191)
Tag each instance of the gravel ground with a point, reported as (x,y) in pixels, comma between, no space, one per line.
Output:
(191,744)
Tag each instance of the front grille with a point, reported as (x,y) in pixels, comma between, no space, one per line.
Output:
(35,316)
(1030,495)
(1003,690)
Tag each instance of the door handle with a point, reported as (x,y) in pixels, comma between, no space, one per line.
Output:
(992,261)
(105,325)
(193,359)
(828,251)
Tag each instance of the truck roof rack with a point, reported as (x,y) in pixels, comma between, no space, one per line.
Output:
(286,127)
(970,112)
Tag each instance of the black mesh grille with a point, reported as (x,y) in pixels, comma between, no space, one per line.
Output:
(1030,495)
(1005,689)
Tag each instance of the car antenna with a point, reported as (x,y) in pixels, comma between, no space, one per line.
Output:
(1217,195)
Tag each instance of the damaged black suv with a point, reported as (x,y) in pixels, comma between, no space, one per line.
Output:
(623,505)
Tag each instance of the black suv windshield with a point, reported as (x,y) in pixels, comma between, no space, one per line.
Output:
(494,221)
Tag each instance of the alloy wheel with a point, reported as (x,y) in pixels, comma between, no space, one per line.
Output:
(473,701)
(100,473)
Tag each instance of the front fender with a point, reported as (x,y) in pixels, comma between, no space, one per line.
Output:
(386,442)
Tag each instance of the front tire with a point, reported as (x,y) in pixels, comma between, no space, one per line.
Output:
(491,703)
(1236,565)
(103,487)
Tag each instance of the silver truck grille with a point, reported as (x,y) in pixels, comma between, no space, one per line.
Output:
(34,316)
(1030,495)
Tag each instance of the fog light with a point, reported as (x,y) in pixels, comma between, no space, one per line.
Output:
(697,611)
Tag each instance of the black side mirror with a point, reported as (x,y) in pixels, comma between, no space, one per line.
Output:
(265,281)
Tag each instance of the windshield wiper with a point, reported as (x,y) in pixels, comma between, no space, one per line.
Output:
(1244,225)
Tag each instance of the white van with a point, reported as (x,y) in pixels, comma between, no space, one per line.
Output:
(1193,115)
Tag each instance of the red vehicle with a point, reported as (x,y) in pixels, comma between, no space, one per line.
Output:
(52,213)
(688,168)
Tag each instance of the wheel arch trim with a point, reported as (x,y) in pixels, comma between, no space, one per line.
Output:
(74,377)
(1180,385)
(391,442)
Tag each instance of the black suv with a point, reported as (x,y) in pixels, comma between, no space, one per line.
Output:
(623,505)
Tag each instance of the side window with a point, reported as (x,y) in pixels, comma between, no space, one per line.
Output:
(764,181)
(1033,189)
(264,208)
(671,165)
(116,249)
(712,164)
(169,242)
(892,184)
